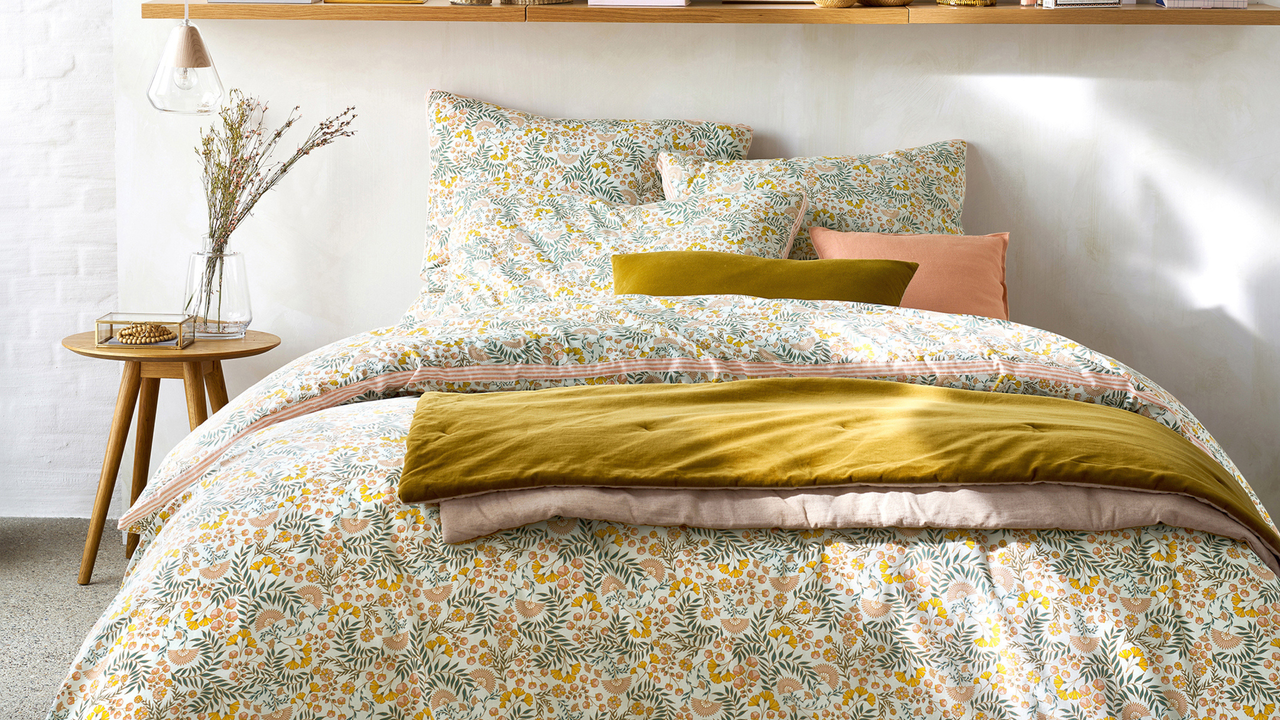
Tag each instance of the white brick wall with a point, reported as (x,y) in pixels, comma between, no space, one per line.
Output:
(57,252)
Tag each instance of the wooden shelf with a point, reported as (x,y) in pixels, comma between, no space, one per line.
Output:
(432,10)
(1014,14)
(719,12)
(715,11)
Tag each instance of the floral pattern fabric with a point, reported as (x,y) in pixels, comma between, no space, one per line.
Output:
(426,305)
(471,141)
(279,576)
(512,243)
(636,338)
(919,190)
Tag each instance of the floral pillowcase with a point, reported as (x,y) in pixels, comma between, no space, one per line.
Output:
(920,190)
(513,243)
(474,142)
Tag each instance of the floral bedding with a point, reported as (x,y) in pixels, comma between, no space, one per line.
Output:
(279,577)
(472,141)
(918,190)
(512,243)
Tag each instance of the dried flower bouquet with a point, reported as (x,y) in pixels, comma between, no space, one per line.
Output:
(237,173)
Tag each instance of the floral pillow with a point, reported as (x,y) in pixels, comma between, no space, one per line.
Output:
(514,243)
(424,307)
(920,190)
(616,160)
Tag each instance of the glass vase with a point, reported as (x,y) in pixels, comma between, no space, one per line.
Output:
(217,294)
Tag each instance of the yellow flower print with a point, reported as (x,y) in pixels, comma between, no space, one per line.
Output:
(786,635)
(994,629)
(910,680)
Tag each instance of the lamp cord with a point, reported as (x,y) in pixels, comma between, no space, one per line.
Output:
(186,16)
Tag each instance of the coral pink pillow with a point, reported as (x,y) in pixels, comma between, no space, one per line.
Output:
(957,274)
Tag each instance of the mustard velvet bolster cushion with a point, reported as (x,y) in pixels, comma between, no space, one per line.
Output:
(882,282)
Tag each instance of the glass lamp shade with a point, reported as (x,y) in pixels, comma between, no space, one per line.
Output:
(186,81)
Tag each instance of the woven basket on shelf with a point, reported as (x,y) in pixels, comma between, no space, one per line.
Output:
(884,3)
(834,3)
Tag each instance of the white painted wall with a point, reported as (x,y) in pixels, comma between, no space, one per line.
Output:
(57,250)
(1135,167)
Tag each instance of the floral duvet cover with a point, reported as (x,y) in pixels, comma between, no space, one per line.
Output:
(279,577)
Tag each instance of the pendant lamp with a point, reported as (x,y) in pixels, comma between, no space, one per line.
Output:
(186,81)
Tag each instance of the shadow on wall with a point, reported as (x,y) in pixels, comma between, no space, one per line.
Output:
(1162,259)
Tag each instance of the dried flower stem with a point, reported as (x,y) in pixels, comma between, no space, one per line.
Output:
(236,169)
(237,172)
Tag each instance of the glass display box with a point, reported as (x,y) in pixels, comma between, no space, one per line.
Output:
(152,330)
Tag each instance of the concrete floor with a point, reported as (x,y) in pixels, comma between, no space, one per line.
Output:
(44,614)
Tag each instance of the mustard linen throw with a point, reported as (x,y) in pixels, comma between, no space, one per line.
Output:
(796,433)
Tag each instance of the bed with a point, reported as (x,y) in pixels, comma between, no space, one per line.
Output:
(279,575)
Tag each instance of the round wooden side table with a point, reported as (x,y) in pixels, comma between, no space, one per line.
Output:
(198,365)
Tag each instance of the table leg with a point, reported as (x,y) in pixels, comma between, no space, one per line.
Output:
(193,380)
(125,401)
(216,384)
(142,448)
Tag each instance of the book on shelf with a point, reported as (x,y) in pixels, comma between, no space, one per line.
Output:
(1040,3)
(1205,4)
(273,2)
(376,2)
(637,3)
(1057,4)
